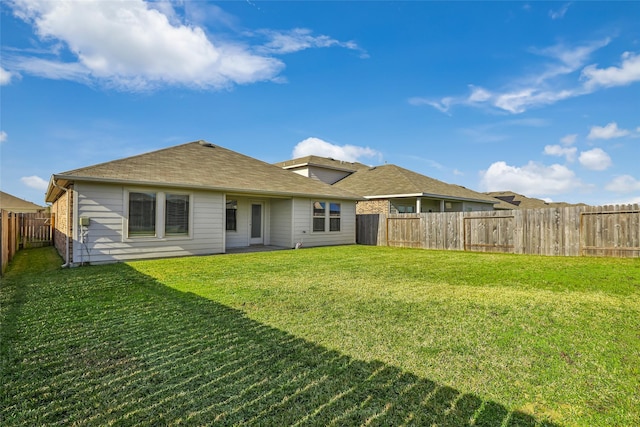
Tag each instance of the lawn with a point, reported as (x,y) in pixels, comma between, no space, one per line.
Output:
(339,336)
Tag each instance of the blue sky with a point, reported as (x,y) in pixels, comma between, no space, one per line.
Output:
(541,98)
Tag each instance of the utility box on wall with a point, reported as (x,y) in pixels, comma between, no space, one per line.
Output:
(84,221)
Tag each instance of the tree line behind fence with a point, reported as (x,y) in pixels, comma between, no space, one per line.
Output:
(571,231)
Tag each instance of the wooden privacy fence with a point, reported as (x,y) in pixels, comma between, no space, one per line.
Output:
(572,231)
(22,230)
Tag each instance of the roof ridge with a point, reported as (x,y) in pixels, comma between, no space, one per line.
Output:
(128,158)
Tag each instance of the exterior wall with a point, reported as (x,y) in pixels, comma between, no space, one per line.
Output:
(373,207)
(106,236)
(281,220)
(471,206)
(303,230)
(240,236)
(329,176)
(386,206)
(60,231)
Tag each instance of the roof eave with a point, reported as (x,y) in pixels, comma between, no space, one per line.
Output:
(68,179)
(434,196)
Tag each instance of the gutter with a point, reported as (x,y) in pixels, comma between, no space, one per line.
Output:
(66,190)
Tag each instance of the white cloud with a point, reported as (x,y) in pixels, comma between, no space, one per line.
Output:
(627,73)
(623,184)
(559,14)
(557,150)
(5,77)
(595,159)
(132,46)
(565,75)
(298,39)
(318,147)
(569,139)
(35,182)
(442,105)
(3,136)
(609,131)
(532,179)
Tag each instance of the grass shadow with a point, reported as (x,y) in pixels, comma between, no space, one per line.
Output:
(109,345)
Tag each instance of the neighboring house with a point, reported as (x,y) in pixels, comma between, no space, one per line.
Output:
(511,200)
(192,199)
(14,204)
(390,188)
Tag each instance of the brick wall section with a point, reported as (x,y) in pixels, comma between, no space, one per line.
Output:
(373,207)
(59,209)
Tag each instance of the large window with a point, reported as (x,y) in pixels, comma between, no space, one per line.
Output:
(142,214)
(324,220)
(319,215)
(176,215)
(231,215)
(334,216)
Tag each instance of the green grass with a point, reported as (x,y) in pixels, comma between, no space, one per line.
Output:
(328,336)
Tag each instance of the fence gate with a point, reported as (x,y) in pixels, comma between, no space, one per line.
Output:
(610,233)
(404,231)
(35,230)
(489,234)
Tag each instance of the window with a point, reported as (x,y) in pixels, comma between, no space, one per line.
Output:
(142,214)
(176,214)
(334,216)
(232,210)
(319,215)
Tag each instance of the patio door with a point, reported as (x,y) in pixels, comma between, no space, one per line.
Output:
(256,231)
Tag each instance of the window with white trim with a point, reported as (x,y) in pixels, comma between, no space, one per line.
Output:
(142,214)
(326,216)
(176,215)
(158,214)
(334,216)
(232,215)
(319,216)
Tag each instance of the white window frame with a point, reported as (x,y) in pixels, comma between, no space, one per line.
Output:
(327,215)
(160,233)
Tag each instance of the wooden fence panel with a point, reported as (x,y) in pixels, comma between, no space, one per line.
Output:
(487,232)
(404,230)
(610,231)
(369,230)
(570,231)
(35,230)
(8,238)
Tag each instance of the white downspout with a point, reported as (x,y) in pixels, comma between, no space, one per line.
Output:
(66,190)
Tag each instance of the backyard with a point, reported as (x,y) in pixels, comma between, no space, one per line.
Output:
(351,335)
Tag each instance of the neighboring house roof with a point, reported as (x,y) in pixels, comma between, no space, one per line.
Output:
(390,181)
(323,162)
(201,165)
(511,200)
(15,204)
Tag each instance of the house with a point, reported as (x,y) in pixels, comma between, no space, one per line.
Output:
(509,200)
(192,199)
(14,204)
(390,188)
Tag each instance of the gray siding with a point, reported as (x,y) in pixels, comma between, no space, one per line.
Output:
(281,222)
(329,176)
(240,237)
(106,239)
(303,230)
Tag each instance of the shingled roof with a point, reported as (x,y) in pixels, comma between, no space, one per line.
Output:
(393,181)
(200,165)
(318,161)
(15,204)
(512,200)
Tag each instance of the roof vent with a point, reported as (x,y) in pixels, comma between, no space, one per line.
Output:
(206,144)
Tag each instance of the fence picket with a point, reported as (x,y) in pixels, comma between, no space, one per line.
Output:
(570,231)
